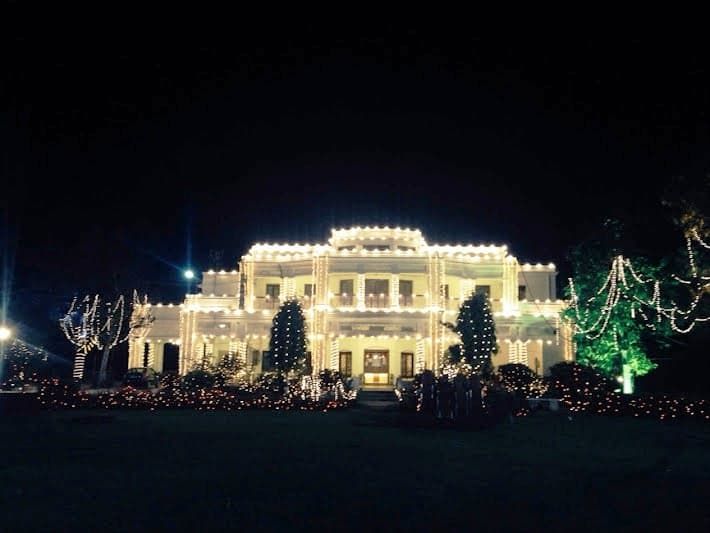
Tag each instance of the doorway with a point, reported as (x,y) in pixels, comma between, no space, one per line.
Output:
(377,367)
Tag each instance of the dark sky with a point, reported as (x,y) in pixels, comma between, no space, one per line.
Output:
(121,148)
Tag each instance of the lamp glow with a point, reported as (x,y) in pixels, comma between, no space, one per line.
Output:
(5,333)
(189,274)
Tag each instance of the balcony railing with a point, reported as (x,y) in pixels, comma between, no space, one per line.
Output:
(266,302)
(377,300)
(454,304)
(343,300)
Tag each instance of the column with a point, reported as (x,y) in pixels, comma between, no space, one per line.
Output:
(419,361)
(242,352)
(510,285)
(136,349)
(287,289)
(158,354)
(335,355)
(249,285)
(151,355)
(360,291)
(186,355)
(436,303)
(394,290)
(319,325)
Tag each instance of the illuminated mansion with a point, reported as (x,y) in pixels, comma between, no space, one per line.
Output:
(375,300)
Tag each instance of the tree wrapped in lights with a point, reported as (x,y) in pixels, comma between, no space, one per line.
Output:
(476,329)
(79,327)
(617,315)
(112,326)
(94,324)
(287,346)
(612,329)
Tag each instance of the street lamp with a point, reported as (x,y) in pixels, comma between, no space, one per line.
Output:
(5,334)
(189,275)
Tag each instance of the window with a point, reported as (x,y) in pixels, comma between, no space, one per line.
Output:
(407,364)
(348,248)
(310,290)
(267,364)
(484,289)
(522,294)
(273,290)
(346,287)
(254,357)
(406,248)
(376,292)
(346,292)
(445,291)
(376,286)
(346,364)
(405,291)
(376,247)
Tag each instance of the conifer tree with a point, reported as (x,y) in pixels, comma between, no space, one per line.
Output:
(287,346)
(476,329)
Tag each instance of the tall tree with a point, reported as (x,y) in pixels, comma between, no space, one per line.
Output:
(112,330)
(98,324)
(79,327)
(287,346)
(476,328)
(614,330)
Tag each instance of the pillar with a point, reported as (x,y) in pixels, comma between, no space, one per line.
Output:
(319,314)
(394,290)
(360,291)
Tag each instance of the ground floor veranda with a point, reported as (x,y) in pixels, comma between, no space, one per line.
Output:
(375,361)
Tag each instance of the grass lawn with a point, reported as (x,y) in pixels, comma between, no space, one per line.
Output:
(349,470)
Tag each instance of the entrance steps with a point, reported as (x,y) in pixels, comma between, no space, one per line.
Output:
(382,398)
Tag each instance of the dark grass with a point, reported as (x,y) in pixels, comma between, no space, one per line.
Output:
(353,470)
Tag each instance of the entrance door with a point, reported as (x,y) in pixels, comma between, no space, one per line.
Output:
(377,367)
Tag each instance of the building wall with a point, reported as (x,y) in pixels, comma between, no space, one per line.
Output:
(216,317)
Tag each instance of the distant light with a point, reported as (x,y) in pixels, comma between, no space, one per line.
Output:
(189,274)
(5,333)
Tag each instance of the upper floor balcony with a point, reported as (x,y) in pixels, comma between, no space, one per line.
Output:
(371,301)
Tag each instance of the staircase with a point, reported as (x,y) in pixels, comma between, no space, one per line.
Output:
(377,399)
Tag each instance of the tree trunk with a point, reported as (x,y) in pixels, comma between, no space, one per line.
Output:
(78,372)
(104,366)
(628,379)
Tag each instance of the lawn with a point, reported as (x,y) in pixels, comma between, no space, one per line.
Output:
(348,470)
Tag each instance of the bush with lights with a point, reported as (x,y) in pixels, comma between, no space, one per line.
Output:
(23,365)
(518,378)
(310,393)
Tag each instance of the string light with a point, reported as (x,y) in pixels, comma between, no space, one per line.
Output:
(617,287)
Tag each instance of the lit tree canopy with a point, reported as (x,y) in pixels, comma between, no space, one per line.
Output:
(613,328)
(287,346)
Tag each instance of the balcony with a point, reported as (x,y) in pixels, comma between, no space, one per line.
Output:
(266,303)
(342,300)
(377,300)
(454,304)
(412,301)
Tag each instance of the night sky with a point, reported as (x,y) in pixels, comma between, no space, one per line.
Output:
(127,157)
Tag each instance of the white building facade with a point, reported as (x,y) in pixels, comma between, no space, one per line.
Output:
(375,300)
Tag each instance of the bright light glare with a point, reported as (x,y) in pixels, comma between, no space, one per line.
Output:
(5,333)
(189,274)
